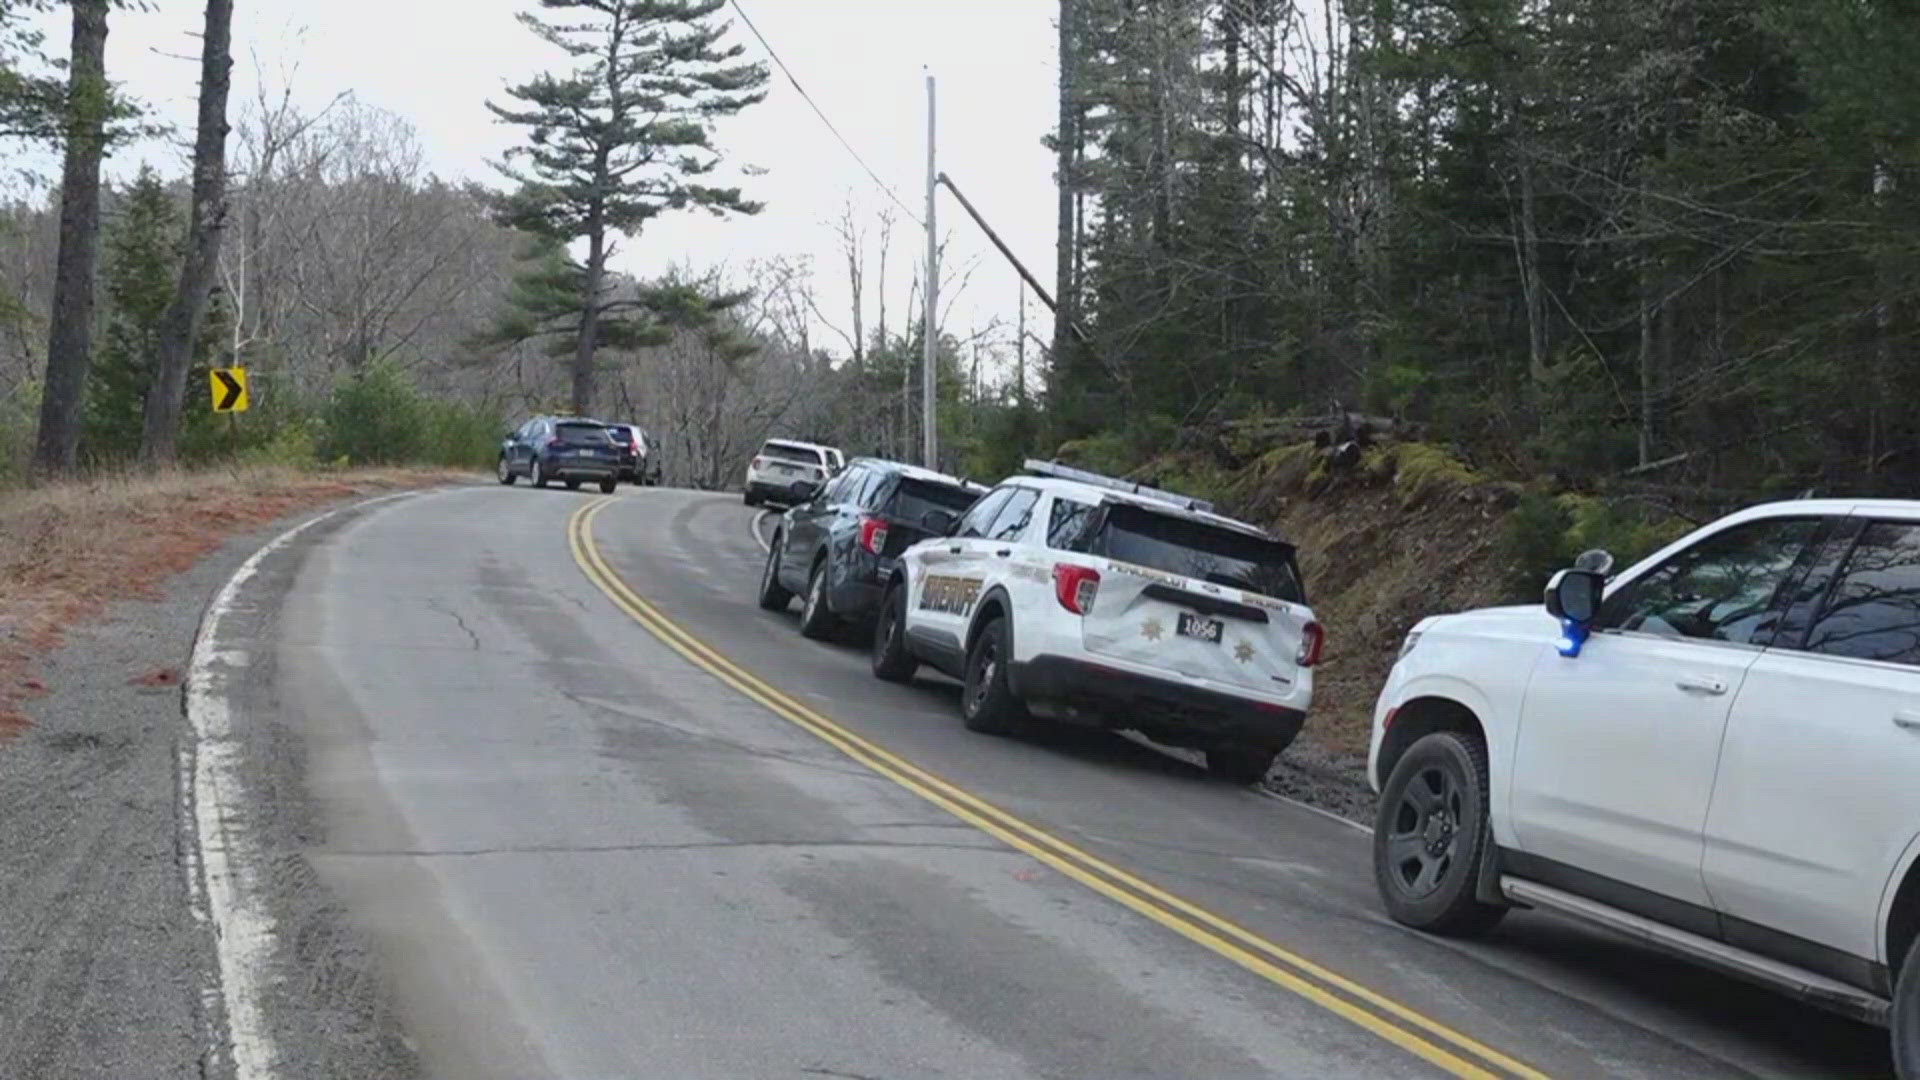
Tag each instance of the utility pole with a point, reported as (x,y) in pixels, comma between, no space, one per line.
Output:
(929,382)
(1020,351)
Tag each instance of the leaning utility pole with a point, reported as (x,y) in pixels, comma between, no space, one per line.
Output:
(929,381)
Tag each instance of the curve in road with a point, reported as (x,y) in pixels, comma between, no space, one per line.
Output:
(583,850)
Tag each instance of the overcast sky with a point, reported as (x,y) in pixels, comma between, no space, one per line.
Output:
(435,62)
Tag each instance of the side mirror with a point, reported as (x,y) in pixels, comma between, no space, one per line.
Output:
(938,522)
(1573,597)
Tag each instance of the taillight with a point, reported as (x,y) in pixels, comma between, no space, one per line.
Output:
(553,442)
(873,534)
(1075,586)
(759,463)
(1313,642)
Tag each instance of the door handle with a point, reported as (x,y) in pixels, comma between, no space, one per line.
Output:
(954,550)
(1907,719)
(1703,684)
(1004,552)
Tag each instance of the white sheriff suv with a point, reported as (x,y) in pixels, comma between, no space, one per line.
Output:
(1716,752)
(1081,598)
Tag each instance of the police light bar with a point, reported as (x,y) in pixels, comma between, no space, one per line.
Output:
(1068,472)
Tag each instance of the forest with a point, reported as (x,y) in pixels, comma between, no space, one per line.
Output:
(1672,240)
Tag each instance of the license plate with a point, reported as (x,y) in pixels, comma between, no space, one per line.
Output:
(1196,626)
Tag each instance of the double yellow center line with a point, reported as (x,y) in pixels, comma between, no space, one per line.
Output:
(1419,1035)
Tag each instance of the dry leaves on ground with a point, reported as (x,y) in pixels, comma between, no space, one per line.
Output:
(67,550)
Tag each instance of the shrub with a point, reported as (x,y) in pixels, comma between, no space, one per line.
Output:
(376,418)
(1545,533)
(460,435)
(1421,471)
(1107,453)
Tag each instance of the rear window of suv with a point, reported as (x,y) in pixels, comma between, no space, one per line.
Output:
(913,498)
(581,433)
(1200,551)
(789,452)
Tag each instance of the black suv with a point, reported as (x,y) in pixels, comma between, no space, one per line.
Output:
(570,449)
(639,454)
(837,550)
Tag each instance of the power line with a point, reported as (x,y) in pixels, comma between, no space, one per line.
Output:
(817,111)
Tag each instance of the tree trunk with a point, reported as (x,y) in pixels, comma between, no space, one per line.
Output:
(70,340)
(180,330)
(1065,288)
(1647,374)
(1879,378)
(583,358)
(1531,288)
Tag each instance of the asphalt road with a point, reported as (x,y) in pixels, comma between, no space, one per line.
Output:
(578,846)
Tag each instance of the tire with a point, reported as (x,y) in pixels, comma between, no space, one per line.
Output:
(573,485)
(773,596)
(504,472)
(891,659)
(1904,1022)
(816,616)
(748,498)
(1240,763)
(535,475)
(608,485)
(987,704)
(1430,835)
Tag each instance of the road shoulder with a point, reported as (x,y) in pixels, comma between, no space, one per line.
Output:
(107,968)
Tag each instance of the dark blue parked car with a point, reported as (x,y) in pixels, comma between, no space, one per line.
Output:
(570,449)
(836,549)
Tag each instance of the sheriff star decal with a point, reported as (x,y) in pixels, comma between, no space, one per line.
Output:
(1151,630)
(1243,652)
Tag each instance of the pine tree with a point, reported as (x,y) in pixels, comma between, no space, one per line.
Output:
(142,257)
(622,138)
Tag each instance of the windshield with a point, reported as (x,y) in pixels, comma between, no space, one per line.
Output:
(914,498)
(581,433)
(1200,551)
(788,452)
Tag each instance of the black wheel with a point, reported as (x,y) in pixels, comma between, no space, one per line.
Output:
(1904,1022)
(1240,763)
(535,476)
(987,704)
(504,470)
(749,498)
(891,660)
(607,485)
(773,596)
(1430,834)
(816,617)
(573,485)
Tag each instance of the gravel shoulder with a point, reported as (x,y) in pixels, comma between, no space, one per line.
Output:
(105,969)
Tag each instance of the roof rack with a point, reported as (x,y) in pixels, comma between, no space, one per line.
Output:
(1068,472)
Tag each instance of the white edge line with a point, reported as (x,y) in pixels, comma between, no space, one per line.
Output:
(1269,793)
(754,528)
(219,864)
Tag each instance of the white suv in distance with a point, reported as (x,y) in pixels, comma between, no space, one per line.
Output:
(786,471)
(1082,598)
(1717,752)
